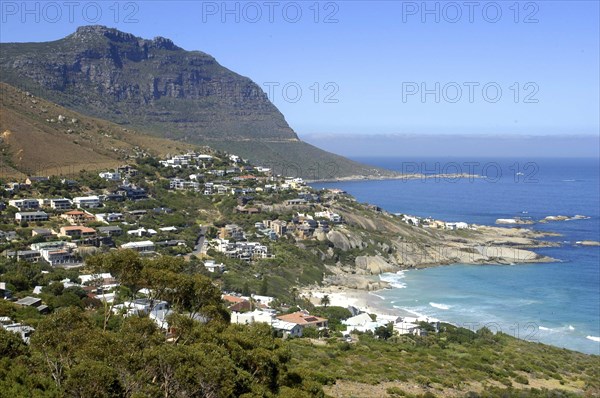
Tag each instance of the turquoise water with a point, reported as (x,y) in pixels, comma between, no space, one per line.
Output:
(553,303)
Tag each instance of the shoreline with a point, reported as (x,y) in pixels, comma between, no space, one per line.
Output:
(394,177)
(365,301)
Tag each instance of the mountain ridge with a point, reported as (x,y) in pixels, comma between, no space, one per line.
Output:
(157,87)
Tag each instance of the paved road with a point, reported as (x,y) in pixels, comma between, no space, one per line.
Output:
(200,242)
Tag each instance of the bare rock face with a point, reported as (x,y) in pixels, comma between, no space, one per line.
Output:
(107,73)
(375,265)
(345,241)
(162,89)
(356,282)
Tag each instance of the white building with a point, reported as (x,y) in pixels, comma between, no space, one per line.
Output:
(110,176)
(31,216)
(142,247)
(109,217)
(211,266)
(25,204)
(456,225)
(248,318)
(61,204)
(86,201)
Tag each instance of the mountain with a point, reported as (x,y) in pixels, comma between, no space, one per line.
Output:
(158,87)
(38,137)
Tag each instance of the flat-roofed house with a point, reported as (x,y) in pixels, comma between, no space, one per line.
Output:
(29,216)
(25,204)
(87,201)
(142,247)
(77,231)
(61,204)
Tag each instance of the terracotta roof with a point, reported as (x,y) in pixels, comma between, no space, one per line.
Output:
(233,299)
(74,213)
(301,318)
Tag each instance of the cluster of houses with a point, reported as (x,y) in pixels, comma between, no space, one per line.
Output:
(429,222)
(190,159)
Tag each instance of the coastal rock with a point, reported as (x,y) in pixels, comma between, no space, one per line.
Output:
(514,221)
(343,241)
(375,265)
(321,236)
(587,243)
(356,282)
(563,218)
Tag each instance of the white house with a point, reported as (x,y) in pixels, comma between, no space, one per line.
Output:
(87,201)
(456,225)
(287,328)
(143,246)
(109,217)
(211,266)
(61,204)
(141,306)
(29,216)
(25,204)
(248,318)
(110,176)
(142,232)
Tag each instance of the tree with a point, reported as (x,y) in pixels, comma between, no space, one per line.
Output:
(325,301)
(385,332)
(264,287)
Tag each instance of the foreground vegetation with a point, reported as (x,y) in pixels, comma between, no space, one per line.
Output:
(455,362)
(83,349)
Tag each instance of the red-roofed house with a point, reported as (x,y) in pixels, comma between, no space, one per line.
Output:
(304,319)
(237,304)
(77,216)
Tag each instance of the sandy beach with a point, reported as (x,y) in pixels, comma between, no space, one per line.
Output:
(369,302)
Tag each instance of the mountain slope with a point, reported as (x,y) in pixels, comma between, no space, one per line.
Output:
(158,87)
(38,137)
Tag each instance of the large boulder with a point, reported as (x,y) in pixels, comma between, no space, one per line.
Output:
(345,241)
(375,265)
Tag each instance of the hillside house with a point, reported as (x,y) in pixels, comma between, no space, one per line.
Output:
(25,204)
(31,216)
(142,247)
(61,204)
(77,217)
(86,201)
(212,266)
(111,230)
(36,180)
(77,232)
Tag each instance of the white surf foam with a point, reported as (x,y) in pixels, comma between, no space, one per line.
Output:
(395,280)
(440,306)
(544,328)
(376,295)
(593,338)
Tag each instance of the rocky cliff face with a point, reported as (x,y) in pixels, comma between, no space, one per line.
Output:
(159,88)
(116,75)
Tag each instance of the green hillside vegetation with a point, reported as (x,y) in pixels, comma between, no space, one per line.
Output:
(456,362)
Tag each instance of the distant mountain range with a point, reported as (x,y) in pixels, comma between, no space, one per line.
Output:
(159,88)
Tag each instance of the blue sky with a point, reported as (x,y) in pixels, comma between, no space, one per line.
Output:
(368,58)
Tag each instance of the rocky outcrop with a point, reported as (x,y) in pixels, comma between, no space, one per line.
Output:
(375,265)
(345,241)
(355,282)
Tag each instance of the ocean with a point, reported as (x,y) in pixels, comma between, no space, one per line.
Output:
(553,303)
